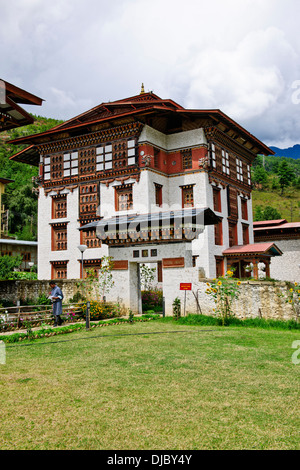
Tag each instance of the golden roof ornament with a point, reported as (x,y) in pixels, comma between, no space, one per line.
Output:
(142,89)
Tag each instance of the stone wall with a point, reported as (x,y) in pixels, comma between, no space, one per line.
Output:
(257,298)
(20,290)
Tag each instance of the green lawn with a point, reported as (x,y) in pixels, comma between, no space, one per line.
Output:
(124,387)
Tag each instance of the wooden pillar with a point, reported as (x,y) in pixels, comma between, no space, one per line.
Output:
(255,269)
(267,263)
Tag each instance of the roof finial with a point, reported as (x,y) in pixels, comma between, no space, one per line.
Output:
(142,89)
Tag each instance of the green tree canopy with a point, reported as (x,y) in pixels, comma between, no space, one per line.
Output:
(286,175)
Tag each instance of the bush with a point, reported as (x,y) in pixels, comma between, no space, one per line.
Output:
(152,300)
(101,310)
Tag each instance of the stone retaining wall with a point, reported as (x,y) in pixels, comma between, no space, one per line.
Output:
(257,298)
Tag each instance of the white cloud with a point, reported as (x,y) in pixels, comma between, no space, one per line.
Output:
(239,56)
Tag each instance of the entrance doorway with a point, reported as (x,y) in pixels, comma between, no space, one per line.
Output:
(150,287)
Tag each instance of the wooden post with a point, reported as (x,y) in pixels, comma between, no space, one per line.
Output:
(87,316)
(164,307)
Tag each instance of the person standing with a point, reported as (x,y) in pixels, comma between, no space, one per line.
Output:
(56,297)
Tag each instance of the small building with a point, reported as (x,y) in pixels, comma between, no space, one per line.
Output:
(286,235)
(26,249)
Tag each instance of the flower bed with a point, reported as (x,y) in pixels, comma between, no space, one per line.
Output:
(102,310)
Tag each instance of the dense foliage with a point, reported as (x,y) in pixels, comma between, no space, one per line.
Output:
(19,198)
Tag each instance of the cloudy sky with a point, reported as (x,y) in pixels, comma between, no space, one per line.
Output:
(240,56)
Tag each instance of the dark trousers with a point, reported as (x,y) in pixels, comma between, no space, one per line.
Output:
(57,320)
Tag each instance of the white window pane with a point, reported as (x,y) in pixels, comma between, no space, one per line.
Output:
(108,157)
(47,176)
(74,171)
(99,158)
(74,163)
(131,152)
(47,169)
(99,166)
(108,148)
(108,165)
(99,150)
(131,161)
(67,173)
(74,155)
(47,160)
(131,143)
(67,165)
(66,156)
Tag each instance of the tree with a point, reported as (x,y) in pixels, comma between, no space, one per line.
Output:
(147,276)
(286,175)
(260,176)
(268,213)
(7,266)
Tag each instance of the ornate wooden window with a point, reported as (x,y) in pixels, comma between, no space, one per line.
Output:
(239,169)
(87,161)
(57,167)
(59,269)
(26,256)
(225,163)
(232,233)
(90,267)
(219,233)
(88,200)
(245,229)
(186,156)
(232,202)
(112,156)
(124,200)
(59,207)
(59,237)
(158,194)
(249,174)
(244,208)
(217,199)
(187,196)
(90,239)
(213,161)
(70,164)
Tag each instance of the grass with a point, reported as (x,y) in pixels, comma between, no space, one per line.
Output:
(154,385)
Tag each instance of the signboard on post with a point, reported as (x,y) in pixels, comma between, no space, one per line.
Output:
(186,286)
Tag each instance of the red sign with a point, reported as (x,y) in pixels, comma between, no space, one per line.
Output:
(186,286)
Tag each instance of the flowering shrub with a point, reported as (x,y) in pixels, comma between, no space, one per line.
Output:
(293,297)
(152,299)
(101,310)
(224,290)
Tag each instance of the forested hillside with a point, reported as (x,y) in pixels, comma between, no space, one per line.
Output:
(19,198)
(276,191)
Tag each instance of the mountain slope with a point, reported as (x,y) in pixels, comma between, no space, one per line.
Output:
(291,152)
